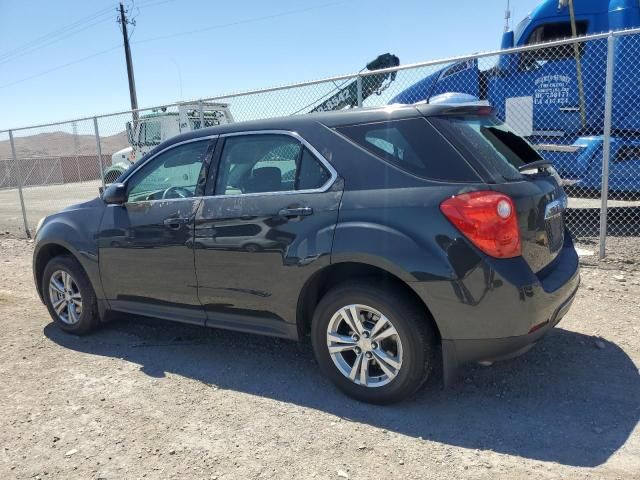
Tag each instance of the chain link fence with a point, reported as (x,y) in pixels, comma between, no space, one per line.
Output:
(11,219)
(575,100)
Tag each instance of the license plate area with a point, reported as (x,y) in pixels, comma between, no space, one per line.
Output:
(554,223)
(554,227)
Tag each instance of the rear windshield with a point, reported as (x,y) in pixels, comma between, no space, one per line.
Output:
(490,142)
(412,145)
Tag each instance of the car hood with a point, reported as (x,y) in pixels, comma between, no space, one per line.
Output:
(93,203)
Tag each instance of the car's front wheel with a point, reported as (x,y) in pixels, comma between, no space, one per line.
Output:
(69,295)
(375,344)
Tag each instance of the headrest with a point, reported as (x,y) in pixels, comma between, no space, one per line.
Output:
(264,179)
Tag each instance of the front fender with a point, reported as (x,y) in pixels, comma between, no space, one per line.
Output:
(74,230)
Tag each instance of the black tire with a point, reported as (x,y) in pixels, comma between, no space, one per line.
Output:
(252,248)
(88,318)
(111,176)
(412,323)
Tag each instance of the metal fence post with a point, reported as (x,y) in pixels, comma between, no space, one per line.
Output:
(359,89)
(8,173)
(201,111)
(606,147)
(99,147)
(19,177)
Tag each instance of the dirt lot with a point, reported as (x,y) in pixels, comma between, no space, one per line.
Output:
(41,201)
(144,399)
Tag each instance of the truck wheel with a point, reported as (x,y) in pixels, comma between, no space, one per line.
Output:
(69,295)
(374,344)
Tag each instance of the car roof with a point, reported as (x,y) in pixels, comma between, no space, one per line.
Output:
(331,119)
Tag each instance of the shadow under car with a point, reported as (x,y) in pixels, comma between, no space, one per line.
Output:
(564,401)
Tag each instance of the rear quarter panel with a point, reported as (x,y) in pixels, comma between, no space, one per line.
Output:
(469,294)
(403,232)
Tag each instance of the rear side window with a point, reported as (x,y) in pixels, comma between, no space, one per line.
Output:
(412,145)
(268,163)
(490,142)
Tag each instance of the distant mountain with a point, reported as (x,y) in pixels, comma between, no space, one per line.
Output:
(62,144)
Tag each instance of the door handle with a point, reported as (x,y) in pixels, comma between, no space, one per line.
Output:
(295,212)
(176,223)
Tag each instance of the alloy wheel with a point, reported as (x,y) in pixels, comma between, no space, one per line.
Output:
(65,297)
(364,345)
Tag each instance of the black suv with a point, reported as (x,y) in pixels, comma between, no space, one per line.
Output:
(381,233)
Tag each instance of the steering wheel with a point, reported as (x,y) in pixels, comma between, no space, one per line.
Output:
(176,192)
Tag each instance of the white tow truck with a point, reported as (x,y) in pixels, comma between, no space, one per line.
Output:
(151,129)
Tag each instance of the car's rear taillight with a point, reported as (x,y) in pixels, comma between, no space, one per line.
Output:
(488,220)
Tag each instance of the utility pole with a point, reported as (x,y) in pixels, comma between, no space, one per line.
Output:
(507,17)
(122,20)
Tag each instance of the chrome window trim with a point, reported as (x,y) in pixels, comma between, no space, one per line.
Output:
(325,163)
(155,155)
(328,184)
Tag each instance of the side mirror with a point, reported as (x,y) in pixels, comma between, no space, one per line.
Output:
(115,194)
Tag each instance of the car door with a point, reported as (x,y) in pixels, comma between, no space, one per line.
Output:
(264,227)
(146,244)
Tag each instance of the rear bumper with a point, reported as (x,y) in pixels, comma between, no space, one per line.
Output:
(459,352)
(500,308)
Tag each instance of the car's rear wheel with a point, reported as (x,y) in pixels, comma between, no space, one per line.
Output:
(69,295)
(375,344)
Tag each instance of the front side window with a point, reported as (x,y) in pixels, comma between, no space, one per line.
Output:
(172,174)
(267,163)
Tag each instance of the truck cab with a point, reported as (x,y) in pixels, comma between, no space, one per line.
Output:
(151,129)
(555,96)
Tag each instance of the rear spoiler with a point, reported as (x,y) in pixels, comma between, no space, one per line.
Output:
(535,165)
(473,108)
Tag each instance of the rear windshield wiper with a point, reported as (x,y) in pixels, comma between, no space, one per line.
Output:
(533,165)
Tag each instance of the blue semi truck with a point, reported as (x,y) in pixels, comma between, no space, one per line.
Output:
(555,96)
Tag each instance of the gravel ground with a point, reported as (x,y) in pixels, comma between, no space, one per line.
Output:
(40,201)
(147,399)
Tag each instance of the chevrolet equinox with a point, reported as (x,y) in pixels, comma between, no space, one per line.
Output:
(389,235)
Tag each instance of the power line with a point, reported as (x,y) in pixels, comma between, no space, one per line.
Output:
(51,35)
(240,22)
(59,67)
(150,3)
(58,31)
(36,48)
(68,31)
